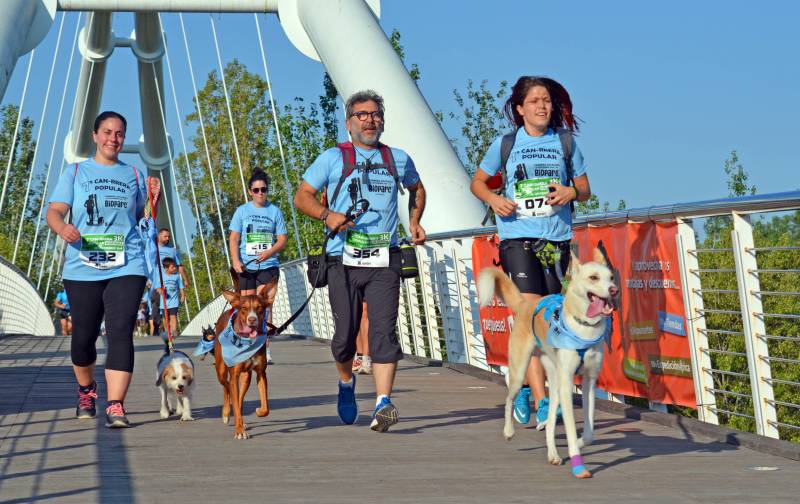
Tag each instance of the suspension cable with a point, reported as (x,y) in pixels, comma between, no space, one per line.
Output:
(38,139)
(228,105)
(280,142)
(169,218)
(52,153)
(186,158)
(16,130)
(175,187)
(205,143)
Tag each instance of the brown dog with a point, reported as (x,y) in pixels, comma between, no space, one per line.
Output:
(235,380)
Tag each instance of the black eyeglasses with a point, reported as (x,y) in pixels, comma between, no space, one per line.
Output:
(362,115)
(256,190)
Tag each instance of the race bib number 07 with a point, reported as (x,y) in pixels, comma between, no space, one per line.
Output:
(366,250)
(531,197)
(256,243)
(103,251)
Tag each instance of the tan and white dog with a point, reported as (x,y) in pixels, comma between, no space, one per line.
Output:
(587,304)
(175,381)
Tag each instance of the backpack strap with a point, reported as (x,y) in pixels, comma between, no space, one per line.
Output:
(388,160)
(567,143)
(348,165)
(506,146)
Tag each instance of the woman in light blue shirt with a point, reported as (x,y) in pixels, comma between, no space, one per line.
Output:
(104,271)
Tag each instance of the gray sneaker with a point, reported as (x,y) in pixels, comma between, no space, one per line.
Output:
(115,416)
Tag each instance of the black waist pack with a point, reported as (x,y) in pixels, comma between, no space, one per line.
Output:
(409,268)
(317,268)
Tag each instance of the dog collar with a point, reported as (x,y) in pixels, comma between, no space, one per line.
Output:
(586,323)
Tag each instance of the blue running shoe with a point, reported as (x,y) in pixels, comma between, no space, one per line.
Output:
(522,405)
(384,417)
(346,405)
(542,410)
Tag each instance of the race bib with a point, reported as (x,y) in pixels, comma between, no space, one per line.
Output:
(103,251)
(256,243)
(531,197)
(366,250)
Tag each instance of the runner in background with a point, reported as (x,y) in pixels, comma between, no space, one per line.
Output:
(534,218)
(362,363)
(258,234)
(64,316)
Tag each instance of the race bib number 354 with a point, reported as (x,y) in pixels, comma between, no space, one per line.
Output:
(255,243)
(103,251)
(531,198)
(366,250)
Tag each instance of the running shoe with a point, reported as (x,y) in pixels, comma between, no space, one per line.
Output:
(346,405)
(366,365)
(269,357)
(522,405)
(115,416)
(542,410)
(384,417)
(357,363)
(86,402)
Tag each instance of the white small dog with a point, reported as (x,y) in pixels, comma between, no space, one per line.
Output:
(175,381)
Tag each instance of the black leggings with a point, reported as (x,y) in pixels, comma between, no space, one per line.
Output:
(118,300)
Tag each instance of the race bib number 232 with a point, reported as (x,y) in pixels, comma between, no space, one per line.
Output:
(103,251)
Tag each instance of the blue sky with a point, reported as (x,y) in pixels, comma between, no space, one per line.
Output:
(666,89)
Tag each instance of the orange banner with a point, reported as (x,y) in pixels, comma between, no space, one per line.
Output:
(649,352)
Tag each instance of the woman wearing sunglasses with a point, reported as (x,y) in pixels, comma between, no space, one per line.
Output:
(258,234)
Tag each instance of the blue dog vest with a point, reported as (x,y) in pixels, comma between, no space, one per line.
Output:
(559,335)
(235,349)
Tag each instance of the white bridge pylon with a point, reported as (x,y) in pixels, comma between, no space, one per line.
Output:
(363,59)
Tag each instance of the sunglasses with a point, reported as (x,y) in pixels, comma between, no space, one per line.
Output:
(256,190)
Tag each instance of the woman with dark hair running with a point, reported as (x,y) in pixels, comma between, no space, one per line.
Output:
(534,218)
(258,234)
(104,272)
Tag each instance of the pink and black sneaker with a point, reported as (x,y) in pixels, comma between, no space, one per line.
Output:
(87,396)
(115,416)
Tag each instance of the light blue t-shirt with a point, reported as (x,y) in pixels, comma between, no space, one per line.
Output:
(536,157)
(169,251)
(106,202)
(375,185)
(173,285)
(61,297)
(259,228)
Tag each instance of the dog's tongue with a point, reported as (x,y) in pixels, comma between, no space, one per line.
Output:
(595,306)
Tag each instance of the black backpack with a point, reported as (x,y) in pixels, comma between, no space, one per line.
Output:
(507,144)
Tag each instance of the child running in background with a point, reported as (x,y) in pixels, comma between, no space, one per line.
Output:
(174,287)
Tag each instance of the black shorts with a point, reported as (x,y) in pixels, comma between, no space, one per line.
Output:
(518,259)
(250,280)
(172,311)
(64,314)
(348,287)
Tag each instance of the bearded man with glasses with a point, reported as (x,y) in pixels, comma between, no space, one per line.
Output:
(363,259)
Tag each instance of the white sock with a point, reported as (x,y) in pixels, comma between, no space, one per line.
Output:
(380,398)
(348,383)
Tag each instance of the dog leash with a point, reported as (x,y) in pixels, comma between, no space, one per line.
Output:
(160,274)
(351,215)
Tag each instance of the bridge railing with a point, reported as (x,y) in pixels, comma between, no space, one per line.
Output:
(740,288)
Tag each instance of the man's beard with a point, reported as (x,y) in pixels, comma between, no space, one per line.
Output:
(372,141)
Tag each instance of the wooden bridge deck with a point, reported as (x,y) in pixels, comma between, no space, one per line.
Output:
(447,447)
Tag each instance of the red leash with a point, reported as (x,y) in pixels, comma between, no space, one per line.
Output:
(160,272)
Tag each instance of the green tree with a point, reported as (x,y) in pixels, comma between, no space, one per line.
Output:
(737,177)
(480,116)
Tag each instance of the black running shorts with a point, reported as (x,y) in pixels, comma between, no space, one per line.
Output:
(250,280)
(519,261)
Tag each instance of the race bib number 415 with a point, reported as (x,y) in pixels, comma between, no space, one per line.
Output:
(255,243)
(531,197)
(366,250)
(103,251)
